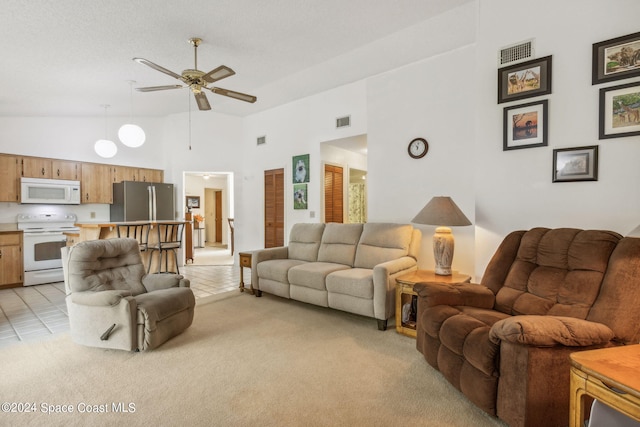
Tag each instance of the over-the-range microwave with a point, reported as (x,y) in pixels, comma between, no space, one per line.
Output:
(49,191)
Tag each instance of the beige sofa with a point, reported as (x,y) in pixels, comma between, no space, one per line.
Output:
(348,267)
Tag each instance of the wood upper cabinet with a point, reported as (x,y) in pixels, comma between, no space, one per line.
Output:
(123,173)
(39,167)
(96,183)
(11,260)
(151,175)
(66,169)
(9,182)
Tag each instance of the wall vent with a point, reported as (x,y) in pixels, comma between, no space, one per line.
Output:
(342,122)
(261,140)
(518,52)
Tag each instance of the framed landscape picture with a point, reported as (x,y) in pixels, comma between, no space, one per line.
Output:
(525,126)
(524,80)
(193,202)
(620,111)
(616,59)
(575,164)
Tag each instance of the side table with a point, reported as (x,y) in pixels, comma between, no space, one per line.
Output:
(609,375)
(245,261)
(406,295)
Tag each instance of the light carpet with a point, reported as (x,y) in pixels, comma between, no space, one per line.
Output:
(245,361)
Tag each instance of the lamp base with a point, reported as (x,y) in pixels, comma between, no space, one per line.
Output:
(443,250)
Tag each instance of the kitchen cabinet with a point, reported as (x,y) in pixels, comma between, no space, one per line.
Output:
(9,182)
(96,183)
(40,167)
(11,262)
(123,173)
(150,175)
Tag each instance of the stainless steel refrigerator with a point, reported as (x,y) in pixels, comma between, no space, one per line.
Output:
(142,201)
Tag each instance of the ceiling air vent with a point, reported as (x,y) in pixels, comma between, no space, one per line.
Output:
(261,140)
(518,52)
(342,122)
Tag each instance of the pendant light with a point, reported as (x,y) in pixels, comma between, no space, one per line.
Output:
(105,147)
(131,135)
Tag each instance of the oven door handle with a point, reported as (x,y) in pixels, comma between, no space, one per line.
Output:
(45,234)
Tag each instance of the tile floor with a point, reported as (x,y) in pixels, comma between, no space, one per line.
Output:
(38,312)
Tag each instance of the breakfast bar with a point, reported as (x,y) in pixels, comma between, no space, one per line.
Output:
(154,232)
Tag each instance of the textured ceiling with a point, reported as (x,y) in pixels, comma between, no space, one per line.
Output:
(68,57)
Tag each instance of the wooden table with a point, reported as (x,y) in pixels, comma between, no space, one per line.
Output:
(611,375)
(405,294)
(245,261)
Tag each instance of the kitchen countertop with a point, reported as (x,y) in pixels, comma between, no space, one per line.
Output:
(92,224)
(9,228)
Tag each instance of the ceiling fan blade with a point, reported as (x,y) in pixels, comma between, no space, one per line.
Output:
(203,102)
(233,94)
(154,88)
(157,67)
(218,74)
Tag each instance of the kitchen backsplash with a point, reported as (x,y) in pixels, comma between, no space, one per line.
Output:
(88,212)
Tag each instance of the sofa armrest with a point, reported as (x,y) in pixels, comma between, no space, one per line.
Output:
(384,282)
(549,331)
(99,299)
(469,294)
(154,282)
(281,252)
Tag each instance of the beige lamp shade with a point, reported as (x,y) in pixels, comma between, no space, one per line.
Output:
(443,212)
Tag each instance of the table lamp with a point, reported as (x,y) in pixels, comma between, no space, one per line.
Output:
(443,212)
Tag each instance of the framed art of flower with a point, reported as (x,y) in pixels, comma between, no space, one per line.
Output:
(524,80)
(525,126)
(620,111)
(575,164)
(616,59)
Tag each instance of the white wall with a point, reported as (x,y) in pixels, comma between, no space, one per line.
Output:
(513,188)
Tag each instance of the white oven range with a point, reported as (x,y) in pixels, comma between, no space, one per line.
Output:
(43,238)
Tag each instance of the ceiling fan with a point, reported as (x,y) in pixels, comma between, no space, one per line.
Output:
(197,80)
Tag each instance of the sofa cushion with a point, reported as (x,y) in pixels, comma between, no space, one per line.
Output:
(357,282)
(277,269)
(339,243)
(382,242)
(557,272)
(313,274)
(304,241)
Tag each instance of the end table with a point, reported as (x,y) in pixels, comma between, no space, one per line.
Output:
(245,261)
(406,295)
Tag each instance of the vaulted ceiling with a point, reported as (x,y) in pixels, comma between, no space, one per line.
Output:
(68,57)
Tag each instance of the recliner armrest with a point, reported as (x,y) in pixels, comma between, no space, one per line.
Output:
(99,299)
(469,294)
(154,282)
(549,331)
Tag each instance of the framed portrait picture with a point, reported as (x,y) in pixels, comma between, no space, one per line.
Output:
(524,80)
(620,111)
(575,164)
(525,126)
(300,168)
(300,196)
(193,202)
(616,59)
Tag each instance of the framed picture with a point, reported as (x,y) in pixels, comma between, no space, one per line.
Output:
(300,196)
(300,168)
(193,202)
(524,80)
(616,59)
(525,126)
(620,111)
(575,164)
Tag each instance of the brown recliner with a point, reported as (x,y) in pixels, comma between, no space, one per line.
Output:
(505,342)
(113,303)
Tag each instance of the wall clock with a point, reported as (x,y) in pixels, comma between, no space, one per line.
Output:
(418,148)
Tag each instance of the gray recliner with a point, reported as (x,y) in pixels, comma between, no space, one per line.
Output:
(113,303)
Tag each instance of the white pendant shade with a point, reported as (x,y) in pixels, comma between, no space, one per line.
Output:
(131,135)
(105,148)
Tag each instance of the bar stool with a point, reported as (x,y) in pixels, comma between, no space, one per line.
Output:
(169,239)
(138,231)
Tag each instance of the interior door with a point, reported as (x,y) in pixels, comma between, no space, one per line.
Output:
(218,216)
(273,208)
(333,193)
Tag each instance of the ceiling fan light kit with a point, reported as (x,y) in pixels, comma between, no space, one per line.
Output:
(197,80)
